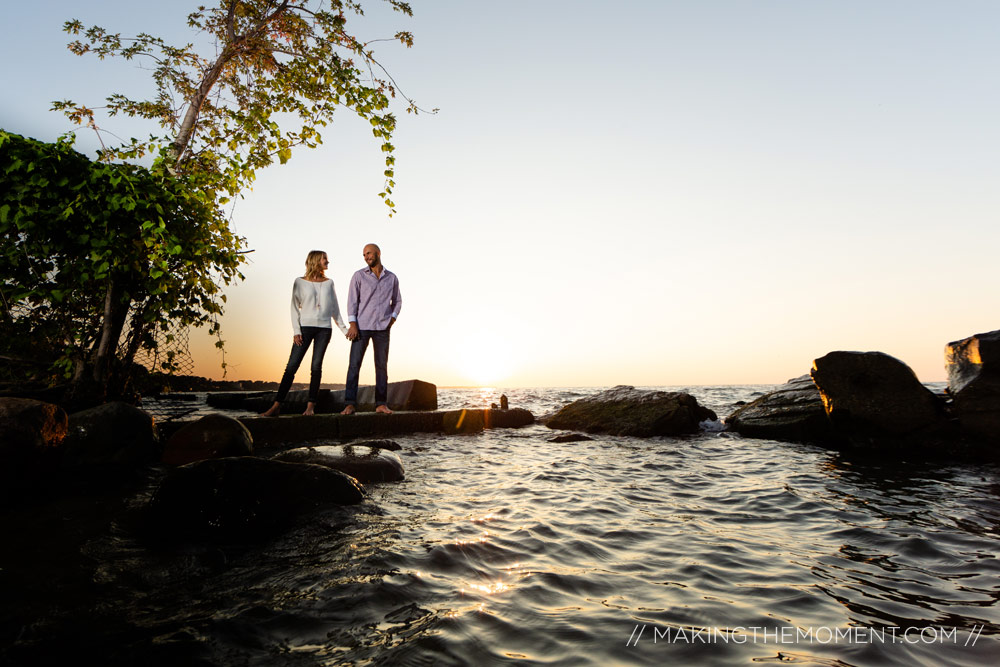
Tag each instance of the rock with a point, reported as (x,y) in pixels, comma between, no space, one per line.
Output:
(507,418)
(624,410)
(29,429)
(870,396)
(211,437)
(390,445)
(403,396)
(973,366)
(463,421)
(242,498)
(238,400)
(114,434)
(570,437)
(373,424)
(365,464)
(406,395)
(793,412)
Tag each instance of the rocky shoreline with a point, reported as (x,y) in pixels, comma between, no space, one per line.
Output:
(871,402)
(210,485)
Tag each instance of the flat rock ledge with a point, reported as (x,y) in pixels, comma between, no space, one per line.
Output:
(625,410)
(287,429)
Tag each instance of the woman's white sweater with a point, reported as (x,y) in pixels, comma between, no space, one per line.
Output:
(313,304)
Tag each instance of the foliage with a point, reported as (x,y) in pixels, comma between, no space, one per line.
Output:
(88,247)
(270,60)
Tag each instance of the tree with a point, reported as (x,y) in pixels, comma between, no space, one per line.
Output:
(294,58)
(153,241)
(87,248)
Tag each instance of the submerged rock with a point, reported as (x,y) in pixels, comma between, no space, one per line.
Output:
(211,437)
(113,434)
(871,397)
(793,412)
(365,464)
(625,410)
(973,366)
(571,437)
(242,498)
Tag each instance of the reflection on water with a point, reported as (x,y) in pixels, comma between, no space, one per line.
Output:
(505,547)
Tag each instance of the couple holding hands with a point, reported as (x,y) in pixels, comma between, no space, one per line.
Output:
(373,303)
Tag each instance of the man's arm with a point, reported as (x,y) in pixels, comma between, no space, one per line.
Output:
(396,301)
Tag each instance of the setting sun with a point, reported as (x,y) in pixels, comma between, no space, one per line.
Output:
(483,359)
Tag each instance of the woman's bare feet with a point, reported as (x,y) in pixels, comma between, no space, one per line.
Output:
(310,409)
(349,410)
(384,409)
(272,411)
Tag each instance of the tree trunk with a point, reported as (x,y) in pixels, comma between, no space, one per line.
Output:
(115,312)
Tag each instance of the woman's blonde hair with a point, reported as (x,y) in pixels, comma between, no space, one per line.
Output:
(313,269)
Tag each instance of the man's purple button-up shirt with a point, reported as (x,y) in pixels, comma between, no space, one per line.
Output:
(373,301)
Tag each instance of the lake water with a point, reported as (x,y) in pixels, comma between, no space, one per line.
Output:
(504,548)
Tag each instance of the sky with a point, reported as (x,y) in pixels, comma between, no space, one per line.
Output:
(646,192)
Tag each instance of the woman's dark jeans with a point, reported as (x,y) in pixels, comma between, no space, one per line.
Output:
(320,338)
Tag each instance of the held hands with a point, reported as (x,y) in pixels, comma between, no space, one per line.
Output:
(352,331)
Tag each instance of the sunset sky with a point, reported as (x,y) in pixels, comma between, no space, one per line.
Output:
(648,192)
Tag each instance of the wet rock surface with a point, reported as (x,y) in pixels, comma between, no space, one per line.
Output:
(973,366)
(242,498)
(625,410)
(571,437)
(871,396)
(113,434)
(365,464)
(211,437)
(793,412)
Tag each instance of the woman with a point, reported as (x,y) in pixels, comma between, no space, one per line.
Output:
(314,302)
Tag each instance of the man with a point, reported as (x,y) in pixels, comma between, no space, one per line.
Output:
(373,303)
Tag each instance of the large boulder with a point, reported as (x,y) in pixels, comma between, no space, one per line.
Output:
(242,498)
(871,396)
(791,413)
(626,410)
(29,429)
(211,437)
(365,464)
(115,434)
(973,366)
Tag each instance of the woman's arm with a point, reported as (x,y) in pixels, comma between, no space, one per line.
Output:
(296,309)
(336,310)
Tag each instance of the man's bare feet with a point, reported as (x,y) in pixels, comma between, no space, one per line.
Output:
(349,410)
(272,411)
(384,409)
(310,409)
